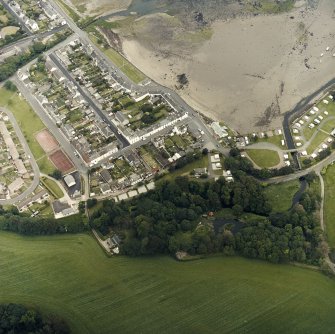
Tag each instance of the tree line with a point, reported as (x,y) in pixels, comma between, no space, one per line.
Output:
(11,220)
(16,318)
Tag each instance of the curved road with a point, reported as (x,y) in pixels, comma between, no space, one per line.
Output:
(33,163)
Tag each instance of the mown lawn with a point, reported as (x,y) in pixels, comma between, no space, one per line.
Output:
(71,276)
(275,140)
(280,195)
(52,187)
(319,138)
(329,126)
(264,158)
(45,165)
(329,207)
(29,123)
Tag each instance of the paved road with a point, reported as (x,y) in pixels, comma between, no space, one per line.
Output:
(19,19)
(152,88)
(32,161)
(25,42)
(90,101)
(49,123)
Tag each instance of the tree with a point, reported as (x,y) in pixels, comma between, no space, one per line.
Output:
(91,202)
(9,85)
(237,210)
(235,152)
(81,207)
(56,174)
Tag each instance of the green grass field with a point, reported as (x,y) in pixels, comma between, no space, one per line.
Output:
(45,165)
(275,140)
(52,187)
(329,207)
(264,158)
(329,126)
(29,123)
(280,195)
(71,276)
(317,141)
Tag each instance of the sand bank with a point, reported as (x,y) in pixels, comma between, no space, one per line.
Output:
(252,70)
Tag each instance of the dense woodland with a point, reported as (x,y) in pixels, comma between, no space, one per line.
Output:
(15,318)
(166,220)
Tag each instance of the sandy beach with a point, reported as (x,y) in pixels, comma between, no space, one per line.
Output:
(98,7)
(253,69)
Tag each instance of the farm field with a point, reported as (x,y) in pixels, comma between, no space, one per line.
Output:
(280,195)
(264,158)
(71,276)
(329,208)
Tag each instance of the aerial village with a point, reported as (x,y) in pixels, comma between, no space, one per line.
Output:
(109,140)
(125,139)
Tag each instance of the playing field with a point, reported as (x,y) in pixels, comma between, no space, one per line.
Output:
(61,161)
(71,276)
(46,140)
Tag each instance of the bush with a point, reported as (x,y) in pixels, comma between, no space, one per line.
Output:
(9,85)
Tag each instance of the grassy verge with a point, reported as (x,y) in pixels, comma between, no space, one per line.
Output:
(122,63)
(329,207)
(264,158)
(69,11)
(280,195)
(71,277)
(52,187)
